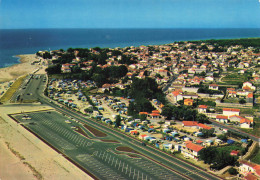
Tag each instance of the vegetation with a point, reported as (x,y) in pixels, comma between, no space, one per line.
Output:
(99,56)
(142,91)
(208,103)
(242,101)
(236,79)
(218,157)
(10,92)
(208,133)
(183,113)
(232,171)
(256,156)
(206,90)
(139,105)
(223,137)
(219,44)
(118,121)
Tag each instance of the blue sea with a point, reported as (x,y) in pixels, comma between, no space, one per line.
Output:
(29,41)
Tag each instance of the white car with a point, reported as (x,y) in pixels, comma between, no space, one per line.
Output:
(67,121)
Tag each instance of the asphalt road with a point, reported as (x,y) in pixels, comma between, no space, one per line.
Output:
(254,138)
(162,165)
(29,88)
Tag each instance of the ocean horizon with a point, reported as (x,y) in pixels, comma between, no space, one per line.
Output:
(29,41)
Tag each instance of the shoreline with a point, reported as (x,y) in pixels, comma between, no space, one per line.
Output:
(16,70)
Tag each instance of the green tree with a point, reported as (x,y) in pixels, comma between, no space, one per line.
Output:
(242,101)
(232,171)
(54,69)
(223,137)
(202,118)
(99,79)
(143,117)
(118,121)
(215,75)
(167,111)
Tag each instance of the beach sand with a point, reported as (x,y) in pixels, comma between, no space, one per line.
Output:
(17,70)
(9,74)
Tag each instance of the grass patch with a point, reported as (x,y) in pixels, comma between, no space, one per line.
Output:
(256,156)
(247,111)
(190,160)
(235,78)
(232,100)
(230,148)
(10,92)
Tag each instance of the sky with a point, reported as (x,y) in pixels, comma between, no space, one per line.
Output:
(23,14)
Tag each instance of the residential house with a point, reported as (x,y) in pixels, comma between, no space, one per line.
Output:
(195,124)
(249,98)
(222,119)
(177,95)
(213,86)
(248,86)
(232,94)
(248,169)
(209,78)
(129,75)
(202,108)
(192,124)
(245,123)
(230,111)
(242,93)
(163,72)
(235,118)
(155,114)
(191,150)
(188,102)
(66,68)
(203,126)
(234,153)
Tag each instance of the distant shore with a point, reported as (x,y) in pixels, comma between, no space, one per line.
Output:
(24,67)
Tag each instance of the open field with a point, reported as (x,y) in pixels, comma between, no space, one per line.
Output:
(256,158)
(235,78)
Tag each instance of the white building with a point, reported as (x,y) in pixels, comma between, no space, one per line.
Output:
(230,112)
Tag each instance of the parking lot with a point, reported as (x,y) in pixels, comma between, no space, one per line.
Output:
(100,158)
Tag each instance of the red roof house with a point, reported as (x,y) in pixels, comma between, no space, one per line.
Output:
(234,153)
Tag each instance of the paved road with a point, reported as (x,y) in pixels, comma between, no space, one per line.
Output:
(254,138)
(29,88)
(168,163)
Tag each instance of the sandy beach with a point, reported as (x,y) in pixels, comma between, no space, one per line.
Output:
(9,74)
(16,70)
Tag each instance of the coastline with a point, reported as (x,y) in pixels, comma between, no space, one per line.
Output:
(11,166)
(21,149)
(16,70)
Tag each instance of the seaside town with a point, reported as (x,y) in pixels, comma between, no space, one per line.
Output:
(197,101)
